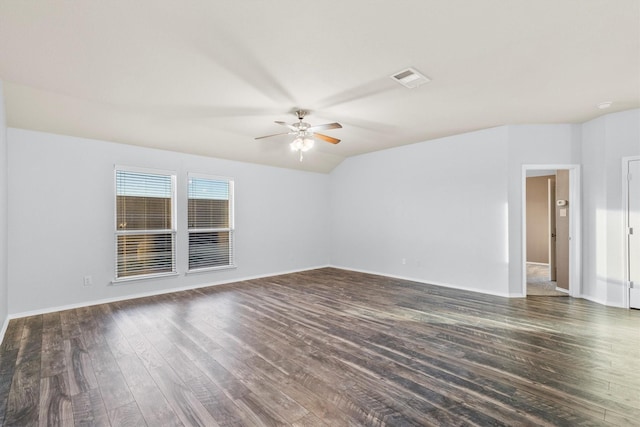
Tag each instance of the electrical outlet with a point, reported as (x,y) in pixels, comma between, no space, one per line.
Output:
(404,261)
(88,281)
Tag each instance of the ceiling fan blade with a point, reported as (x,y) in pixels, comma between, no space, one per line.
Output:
(287,125)
(325,127)
(275,134)
(326,138)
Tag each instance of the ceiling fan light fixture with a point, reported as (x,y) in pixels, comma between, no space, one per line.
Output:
(303,144)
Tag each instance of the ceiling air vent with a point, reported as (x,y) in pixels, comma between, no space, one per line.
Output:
(410,78)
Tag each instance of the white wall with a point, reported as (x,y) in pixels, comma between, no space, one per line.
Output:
(606,141)
(61,208)
(451,208)
(440,205)
(4,286)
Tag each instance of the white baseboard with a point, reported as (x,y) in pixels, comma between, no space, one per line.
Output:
(149,294)
(538,263)
(426,282)
(261,276)
(602,302)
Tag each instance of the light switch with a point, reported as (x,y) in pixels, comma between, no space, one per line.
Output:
(563,212)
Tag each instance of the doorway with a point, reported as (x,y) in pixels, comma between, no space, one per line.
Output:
(631,192)
(550,230)
(544,257)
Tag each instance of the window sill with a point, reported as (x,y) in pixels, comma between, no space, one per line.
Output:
(210,269)
(125,280)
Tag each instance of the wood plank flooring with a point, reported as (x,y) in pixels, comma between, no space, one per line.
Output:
(324,348)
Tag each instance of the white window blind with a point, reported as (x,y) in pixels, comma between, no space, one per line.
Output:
(145,223)
(210,222)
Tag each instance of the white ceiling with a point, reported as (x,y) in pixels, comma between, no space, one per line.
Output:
(207,76)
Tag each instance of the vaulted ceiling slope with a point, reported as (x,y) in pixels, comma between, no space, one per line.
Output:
(207,76)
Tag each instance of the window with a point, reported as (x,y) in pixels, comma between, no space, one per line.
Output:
(210,222)
(145,223)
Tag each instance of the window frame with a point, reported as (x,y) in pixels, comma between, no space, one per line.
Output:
(172,231)
(231,229)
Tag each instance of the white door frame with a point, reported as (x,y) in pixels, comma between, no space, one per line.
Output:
(625,223)
(575,226)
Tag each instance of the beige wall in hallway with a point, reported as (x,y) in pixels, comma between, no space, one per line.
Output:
(538,219)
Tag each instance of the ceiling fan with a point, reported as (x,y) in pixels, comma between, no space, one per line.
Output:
(305,133)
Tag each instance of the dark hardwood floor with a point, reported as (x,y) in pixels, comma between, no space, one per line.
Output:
(324,347)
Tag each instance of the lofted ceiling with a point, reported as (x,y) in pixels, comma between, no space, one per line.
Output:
(207,76)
